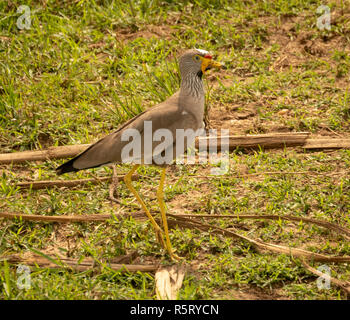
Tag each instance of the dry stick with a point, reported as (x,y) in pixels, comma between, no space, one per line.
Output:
(43,155)
(35,185)
(72,218)
(343,231)
(327,144)
(59,183)
(67,183)
(87,264)
(247,175)
(273,140)
(61,219)
(139,214)
(256,243)
(248,142)
(300,253)
(345,286)
(182,221)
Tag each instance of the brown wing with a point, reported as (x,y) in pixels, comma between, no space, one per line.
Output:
(108,149)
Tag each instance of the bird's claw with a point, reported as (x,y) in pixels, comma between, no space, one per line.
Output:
(174,256)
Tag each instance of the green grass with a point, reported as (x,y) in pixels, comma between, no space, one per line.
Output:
(85,67)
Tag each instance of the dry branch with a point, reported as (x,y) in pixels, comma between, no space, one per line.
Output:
(59,183)
(43,155)
(86,264)
(185,222)
(140,215)
(67,183)
(272,140)
(35,185)
(327,144)
(261,173)
(61,219)
(345,286)
(328,225)
(258,244)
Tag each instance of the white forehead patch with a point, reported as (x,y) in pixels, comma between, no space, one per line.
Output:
(204,52)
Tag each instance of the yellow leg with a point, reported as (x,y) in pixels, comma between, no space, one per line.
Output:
(158,230)
(160,197)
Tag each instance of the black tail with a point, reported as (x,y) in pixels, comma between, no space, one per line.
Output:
(66,167)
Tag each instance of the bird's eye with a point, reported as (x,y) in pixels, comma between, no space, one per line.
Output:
(196,58)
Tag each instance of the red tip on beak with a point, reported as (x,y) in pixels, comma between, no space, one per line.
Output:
(208,56)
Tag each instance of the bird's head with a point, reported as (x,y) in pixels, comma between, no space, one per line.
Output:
(197,61)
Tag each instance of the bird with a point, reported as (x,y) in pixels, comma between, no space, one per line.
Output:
(184,110)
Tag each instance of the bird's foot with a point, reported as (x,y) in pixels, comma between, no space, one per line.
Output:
(168,248)
(175,257)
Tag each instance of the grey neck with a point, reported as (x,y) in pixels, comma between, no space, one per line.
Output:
(192,85)
(191,97)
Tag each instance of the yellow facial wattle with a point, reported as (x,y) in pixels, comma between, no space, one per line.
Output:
(208,63)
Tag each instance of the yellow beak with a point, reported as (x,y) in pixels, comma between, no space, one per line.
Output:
(209,63)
